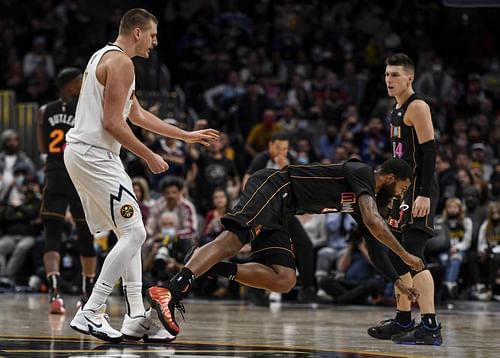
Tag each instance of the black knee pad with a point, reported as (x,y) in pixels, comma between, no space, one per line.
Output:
(53,229)
(85,240)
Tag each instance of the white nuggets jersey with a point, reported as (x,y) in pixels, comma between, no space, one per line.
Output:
(88,127)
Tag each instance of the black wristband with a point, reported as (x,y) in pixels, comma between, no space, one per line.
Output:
(428,167)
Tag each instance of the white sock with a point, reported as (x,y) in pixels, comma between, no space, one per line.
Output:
(133,298)
(100,293)
(132,286)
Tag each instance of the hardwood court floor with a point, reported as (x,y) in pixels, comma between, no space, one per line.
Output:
(215,328)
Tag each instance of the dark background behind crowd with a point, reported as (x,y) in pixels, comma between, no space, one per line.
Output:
(313,70)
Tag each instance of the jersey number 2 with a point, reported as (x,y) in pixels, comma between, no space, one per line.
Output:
(56,136)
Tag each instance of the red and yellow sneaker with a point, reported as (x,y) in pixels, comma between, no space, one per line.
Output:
(162,300)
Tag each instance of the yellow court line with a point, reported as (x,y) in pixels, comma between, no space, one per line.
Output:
(299,349)
(149,351)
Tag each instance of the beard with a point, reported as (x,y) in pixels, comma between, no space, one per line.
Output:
(385,195)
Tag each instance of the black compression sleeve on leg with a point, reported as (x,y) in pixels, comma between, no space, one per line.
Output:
(85,240)
(53,234)
(428,166)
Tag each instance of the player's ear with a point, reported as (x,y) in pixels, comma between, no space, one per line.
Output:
(390,178)
(137,32)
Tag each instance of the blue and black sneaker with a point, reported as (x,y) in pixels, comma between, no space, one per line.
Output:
(388,328)
(421,334)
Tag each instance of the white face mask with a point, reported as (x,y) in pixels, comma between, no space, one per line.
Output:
(168,231)
(19,180)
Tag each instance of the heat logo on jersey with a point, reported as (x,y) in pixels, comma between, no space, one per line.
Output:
(402,208)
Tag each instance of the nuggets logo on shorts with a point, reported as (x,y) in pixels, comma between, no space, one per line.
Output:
(127,211)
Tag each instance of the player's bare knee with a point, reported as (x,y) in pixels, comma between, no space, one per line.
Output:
(285,281)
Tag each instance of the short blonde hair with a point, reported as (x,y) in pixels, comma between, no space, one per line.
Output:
(136,18)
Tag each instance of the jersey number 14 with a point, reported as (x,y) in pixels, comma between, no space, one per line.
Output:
(397,149)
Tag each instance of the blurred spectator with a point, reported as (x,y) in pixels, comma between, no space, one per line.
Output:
(328,143)
(20,223)
(303,151)
(212,225)
(212,170)
(218,96)
(141,191)
(165,252)
(315,227)
(464,179)
(479,160)
(251,107)
(447,179)
(12,158)
(173,200)
(174,153)
(489,248)
(495,183)
(437,87)
(338,227)
(374,143)
(39,58)
(457,229)
(354,281)
(261,133)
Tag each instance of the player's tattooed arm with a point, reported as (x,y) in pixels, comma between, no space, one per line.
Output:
(379,229)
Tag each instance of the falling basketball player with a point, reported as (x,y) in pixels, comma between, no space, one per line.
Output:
(270,198)
(412,137)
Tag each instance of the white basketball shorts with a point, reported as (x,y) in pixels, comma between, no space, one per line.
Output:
(104,187)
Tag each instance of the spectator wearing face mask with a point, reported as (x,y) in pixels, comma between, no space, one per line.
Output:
(11,159)
(458,231)
(489,249)
(165,252)
(19,223)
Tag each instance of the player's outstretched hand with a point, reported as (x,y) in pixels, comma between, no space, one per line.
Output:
(156,164)
(411,292)
(414,262)
(202,136)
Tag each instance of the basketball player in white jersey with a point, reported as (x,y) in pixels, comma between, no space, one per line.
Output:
(106,100)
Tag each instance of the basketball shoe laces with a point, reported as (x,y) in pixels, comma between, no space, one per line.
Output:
(179,306)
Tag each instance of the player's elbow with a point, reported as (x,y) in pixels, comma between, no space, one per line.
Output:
(108,125)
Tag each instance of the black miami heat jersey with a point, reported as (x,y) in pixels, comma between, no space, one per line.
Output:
(404,138)
(324,188)
(58,119)
(405,145)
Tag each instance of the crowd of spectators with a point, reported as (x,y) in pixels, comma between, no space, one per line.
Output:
(311,69)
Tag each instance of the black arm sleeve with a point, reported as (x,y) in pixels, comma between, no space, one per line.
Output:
(428,166)
(378,255)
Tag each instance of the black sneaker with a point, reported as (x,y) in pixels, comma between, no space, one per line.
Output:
(388,328)
(420,335)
